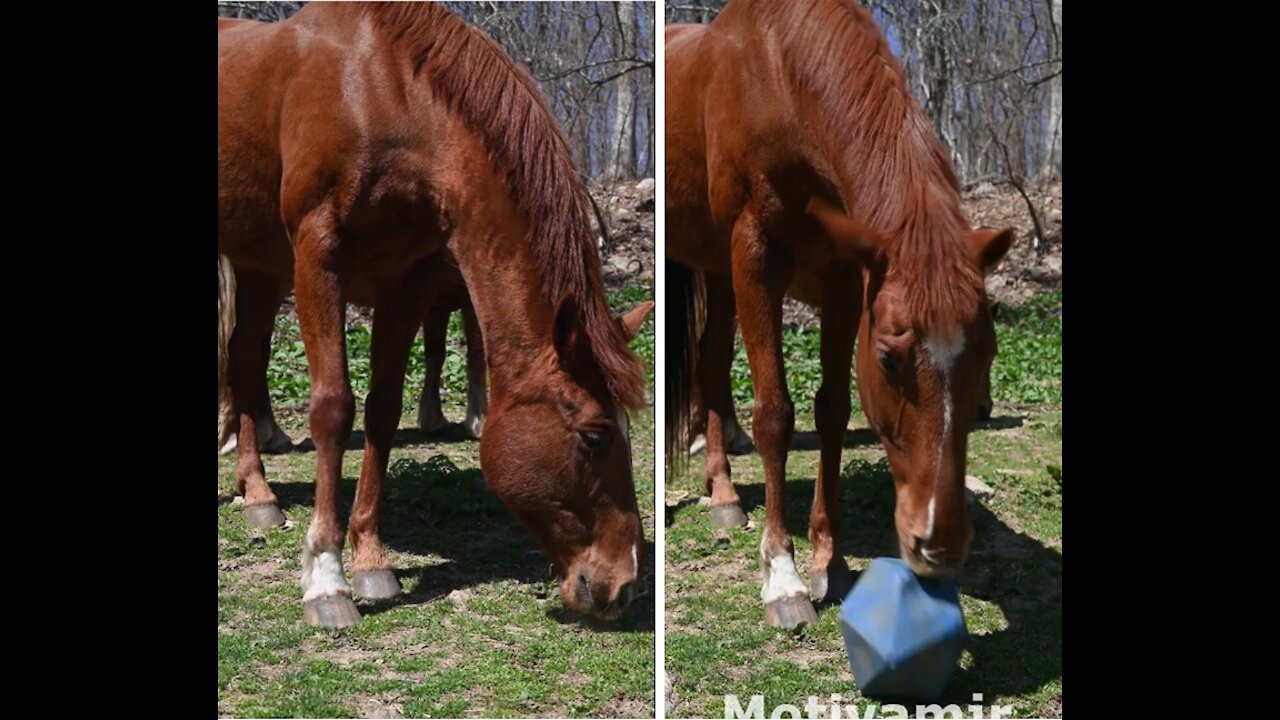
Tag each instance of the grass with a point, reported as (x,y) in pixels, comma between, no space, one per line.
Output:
(479,632)
(716,638)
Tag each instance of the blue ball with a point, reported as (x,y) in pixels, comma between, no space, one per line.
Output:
(904,634)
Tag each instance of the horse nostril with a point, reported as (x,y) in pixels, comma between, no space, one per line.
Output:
(918,548)
(626,594)
(582,580)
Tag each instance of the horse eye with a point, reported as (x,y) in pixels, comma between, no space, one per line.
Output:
(592,439)
(888,363)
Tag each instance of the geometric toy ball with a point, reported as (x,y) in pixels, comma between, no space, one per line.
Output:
(903,634)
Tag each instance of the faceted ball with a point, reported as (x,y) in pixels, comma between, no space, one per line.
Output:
(903,634)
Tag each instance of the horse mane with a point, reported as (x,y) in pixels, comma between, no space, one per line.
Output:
(481,83)
(894,169)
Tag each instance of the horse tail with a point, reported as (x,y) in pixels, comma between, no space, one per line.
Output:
(686,302)
(226,325)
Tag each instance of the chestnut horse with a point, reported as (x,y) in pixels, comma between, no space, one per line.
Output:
(451,294)
(798,162)
(715,352)
(356,144)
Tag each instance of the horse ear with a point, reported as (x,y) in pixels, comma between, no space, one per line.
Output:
(851,238)
(564,331)
(631,320)
(989,246)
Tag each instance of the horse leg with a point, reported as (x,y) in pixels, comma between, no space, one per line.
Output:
(829,579)
(321,309)
(736,440)
(271,439)
(477,376)
(434,329)
(715,358)
(395,317)
(760,279)
(255,310)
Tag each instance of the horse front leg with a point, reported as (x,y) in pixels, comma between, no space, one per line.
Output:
(256,304)
(715,357)
(319,275)
(395,318)
(829,579)
(761,276)
(477,372)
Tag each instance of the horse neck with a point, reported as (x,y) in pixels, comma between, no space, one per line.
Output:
(515,319)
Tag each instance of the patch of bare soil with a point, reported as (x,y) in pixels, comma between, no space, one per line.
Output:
(377,706)
(627,255)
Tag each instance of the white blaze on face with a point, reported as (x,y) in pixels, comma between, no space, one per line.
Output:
(322,574)
(635,562)
(780,577)
(942,354)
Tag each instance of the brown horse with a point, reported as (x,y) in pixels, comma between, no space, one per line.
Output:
(357,143)
(715,358)
(451,294)
(797,162)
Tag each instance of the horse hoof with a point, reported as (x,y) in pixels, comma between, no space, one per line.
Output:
(279,443)
(699,444)
(331,612)
(431,426)
(829,588)
(375,584)
(726,516)
(741,445)
(229,447)
(790,613)
(264,515)
(472,430)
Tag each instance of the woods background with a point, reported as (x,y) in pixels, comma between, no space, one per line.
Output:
(987,72)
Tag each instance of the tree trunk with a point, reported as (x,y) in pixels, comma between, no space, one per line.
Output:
(622,151)
(1053,133)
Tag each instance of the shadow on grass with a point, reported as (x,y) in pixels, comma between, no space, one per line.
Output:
(436,508)
(1008,568)
(404,437)
(753,495)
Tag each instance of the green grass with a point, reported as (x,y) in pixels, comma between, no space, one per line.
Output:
(479,632)
(287,371)
(717,641)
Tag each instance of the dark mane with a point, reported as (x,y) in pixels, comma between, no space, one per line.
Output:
(893,168)
(503,103)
